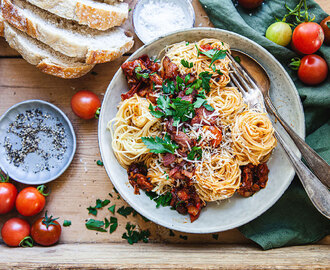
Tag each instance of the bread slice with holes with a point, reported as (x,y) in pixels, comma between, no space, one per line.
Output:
(65,36)
(98,15)
(1,23)
(42,56)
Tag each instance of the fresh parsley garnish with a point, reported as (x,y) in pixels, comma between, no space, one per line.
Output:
(142,73)
(161,200)
(182,110)
(67,223)
(186,64)
(133,236)
(99,162)
(214,54)
(114,224)
(202,102)
(168,87)
(187,78)
(179,84)
(106,223)
(95,225)
(237,59)
(195,153)
(99,204)
(205,76)
(112,208)
(125,211)
(158,145)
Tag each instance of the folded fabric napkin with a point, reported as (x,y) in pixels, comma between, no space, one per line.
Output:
(293,220)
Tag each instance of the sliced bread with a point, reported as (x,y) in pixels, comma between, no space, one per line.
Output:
(42,56)
(95,14)
(1,23)
(65,36)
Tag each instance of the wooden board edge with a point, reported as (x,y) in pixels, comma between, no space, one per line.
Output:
(156,256)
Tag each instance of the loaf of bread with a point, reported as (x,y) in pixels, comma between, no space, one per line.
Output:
(1,23)
(42,56)
(98,15)
(65,36)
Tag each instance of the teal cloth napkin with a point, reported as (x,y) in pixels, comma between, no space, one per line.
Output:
(292,220)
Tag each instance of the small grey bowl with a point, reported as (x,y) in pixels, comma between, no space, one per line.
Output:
(23,173)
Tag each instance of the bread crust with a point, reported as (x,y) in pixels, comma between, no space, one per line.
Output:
(15,17)
(98,19)
(41,61)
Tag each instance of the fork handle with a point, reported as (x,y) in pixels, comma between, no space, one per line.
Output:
(316,191)
(318,165)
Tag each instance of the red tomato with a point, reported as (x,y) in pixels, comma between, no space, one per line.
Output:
(325,24)
(217,135)
(249,4)
(308,37)
(85,104)
(14,231)
(46,231)
(8,194)
(30,201)
(313,69)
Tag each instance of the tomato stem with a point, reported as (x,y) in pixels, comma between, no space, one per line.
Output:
(26,242)
(295,63)
(299,15)
(97,113)
(49,220)
(41,189)
(2,177)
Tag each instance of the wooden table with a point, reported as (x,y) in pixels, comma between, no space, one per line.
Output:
(84,182)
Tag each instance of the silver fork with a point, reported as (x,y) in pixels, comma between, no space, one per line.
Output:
(252,95)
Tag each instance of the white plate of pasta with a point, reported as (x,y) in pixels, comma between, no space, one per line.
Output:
(180,144)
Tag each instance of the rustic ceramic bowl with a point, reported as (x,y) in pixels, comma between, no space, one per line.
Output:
(237,210)
(28,172)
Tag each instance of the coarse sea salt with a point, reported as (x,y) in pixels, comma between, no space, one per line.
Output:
(156,18)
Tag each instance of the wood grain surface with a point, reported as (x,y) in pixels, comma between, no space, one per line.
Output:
(84,182)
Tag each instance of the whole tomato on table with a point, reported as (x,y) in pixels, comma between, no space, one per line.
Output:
(325,24)
(8,194)
(15,232)
(46,231)
(249,4)
(30,201)
(85,104)
(307,37)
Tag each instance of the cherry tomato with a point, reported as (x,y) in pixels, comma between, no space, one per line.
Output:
(325,24)
(313,69)
(85,104)
(30,201)
(280,33)
(308,37)
(8,194)
(14,231)
(46,231)
(249,4)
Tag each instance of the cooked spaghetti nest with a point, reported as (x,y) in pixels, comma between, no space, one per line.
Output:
(253,138)
(158,174)
(188,52)
(133,121)
(228,102)
(217,178)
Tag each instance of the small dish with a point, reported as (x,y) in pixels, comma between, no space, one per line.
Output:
(146,26)
(37,142)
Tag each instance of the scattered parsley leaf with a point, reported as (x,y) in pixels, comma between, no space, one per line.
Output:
(99,162)
(115,190)
(67,223)
(184,237)
(182,110)
(196,152)
(179,84)
(125,211)
(112,208)
(219,72)
(328,24)
(92,210)
(106,223)
(100,203)
(158,145)
(214,54)
(186,64)
(144,218)
(187,43)
(172,233)
(215,236)
(205,77)
(187,78)
(95,225)
(133,236)
(189,91)
(199,102)
(110,195)
(141,73)
(208,107)
(130,10)
(114,224)
(168,87)
(155,113)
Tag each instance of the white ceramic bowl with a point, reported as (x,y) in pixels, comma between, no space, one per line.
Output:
(237,210)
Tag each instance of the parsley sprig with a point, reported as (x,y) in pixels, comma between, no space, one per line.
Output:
(99,204)
(158,145)
(186,64)
(161,200)
(133,236)
(214,54)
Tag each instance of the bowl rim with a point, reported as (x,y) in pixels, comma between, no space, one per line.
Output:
(71,130)
(190,10)
(210,229)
